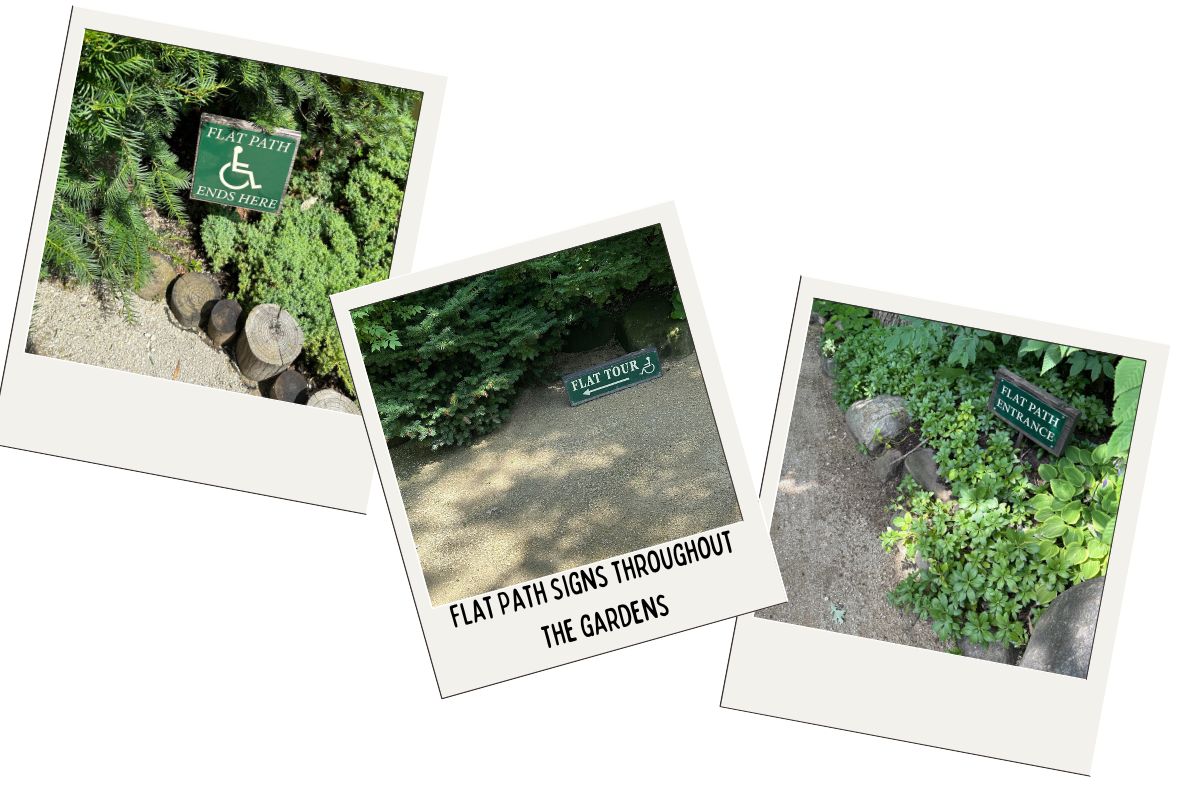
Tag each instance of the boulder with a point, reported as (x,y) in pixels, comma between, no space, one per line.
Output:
(154,284)
(921,465)
(878,420)
(998,652)
(594,330)
(887,464)
(647,322)
(1062,638)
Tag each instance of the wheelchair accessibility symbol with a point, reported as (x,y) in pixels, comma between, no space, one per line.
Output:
(238,168)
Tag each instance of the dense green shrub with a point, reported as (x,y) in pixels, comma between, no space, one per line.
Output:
(445,363)
(129,147)
(297,259)
(117,156)
(1012,538)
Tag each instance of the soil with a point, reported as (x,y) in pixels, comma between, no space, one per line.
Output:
(557,487)
(76,323)
(829,512)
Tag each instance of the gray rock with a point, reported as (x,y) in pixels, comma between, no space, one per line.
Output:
(877,421)
(887,464)
(154,284)
(998,652)
(1062,638)
(923,468)
(589,333)
(648,322)
(828,366)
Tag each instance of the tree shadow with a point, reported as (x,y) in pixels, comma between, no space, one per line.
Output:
(558,487)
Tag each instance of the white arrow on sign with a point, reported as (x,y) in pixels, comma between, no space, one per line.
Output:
(590,392)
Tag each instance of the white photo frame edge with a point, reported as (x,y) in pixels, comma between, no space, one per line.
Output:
(769,660)
(490,659)
(39,394)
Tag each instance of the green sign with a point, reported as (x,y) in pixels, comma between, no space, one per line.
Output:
(240,164)
(1038,415)
(612,376)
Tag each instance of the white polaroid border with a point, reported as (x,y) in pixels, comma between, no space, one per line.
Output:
(108,416)
(505,647)
(891,690)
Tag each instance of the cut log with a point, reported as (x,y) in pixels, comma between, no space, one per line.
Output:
(288,386)
(333,400)
(223,321)
(192,295)
(269,343)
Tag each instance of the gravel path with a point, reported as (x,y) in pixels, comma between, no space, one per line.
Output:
(557,487)
(73,323)
(829,513)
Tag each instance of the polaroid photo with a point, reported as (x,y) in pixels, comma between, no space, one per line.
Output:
(952,495)
(557,450)
(201,197)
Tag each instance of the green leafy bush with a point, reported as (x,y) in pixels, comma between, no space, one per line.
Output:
(296,259)
(445,363)
(1012,538)
(129,147)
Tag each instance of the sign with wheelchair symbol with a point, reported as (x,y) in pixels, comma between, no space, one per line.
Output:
(612,376)
(241,164)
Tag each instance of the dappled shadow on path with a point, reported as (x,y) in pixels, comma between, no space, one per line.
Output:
(559,487)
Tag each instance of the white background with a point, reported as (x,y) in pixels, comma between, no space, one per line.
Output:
(163,639)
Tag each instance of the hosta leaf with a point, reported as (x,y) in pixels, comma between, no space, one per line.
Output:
(1063,489)
(1071,511)
(1075,554)
(1074,474)
(1047,472)
(1090,569)
(1052,528)
(1044,514)
(1041,500)
(1097,549)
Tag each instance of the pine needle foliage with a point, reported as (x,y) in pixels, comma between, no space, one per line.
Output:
(446,363)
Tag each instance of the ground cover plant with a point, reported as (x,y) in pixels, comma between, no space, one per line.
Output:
(126,166)
(446,362)
(1022,526)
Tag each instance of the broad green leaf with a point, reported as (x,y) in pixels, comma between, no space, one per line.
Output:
(1129,374)
(1122,437)
(1050,358)
(1125,407)
(1071,511)
(1052,528)
(1074,474)
(1075,554)
(1097,549)
(1063,489)
(1090,568)
(1047,472)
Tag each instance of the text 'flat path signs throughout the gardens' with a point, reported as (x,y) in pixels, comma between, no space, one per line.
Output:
(240,164)
(1040,416)
(612,376)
